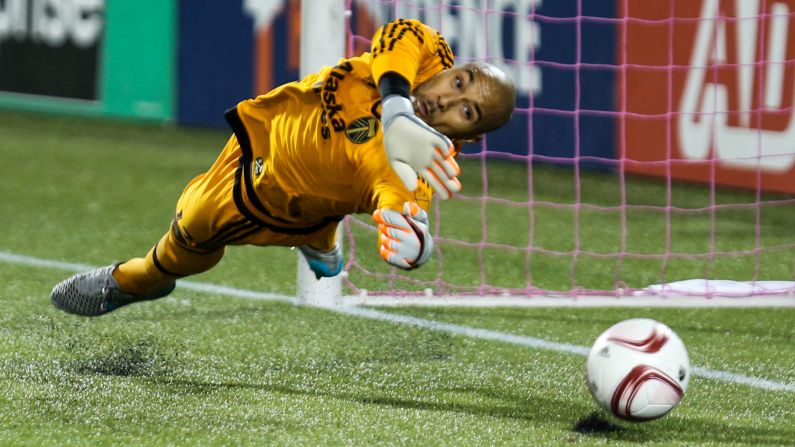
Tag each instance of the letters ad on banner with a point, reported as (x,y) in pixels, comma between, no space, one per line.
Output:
(89,57)
(247,47)
(709,95)
(550,55)
(40,40)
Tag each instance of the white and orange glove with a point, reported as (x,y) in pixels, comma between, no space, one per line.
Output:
(415,148)
(403,239)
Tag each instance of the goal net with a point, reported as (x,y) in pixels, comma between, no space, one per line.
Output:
(653,142)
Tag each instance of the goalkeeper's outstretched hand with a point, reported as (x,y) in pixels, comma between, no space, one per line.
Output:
(415,148)
(403,239)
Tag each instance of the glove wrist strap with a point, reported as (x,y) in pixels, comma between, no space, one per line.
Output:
(392,83)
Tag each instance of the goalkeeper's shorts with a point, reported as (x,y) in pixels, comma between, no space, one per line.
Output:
(214,210)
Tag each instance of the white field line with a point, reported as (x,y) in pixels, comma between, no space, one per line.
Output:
(531,342)
(684,301)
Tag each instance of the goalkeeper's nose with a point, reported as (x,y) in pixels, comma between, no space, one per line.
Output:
(447,100)
(442,103)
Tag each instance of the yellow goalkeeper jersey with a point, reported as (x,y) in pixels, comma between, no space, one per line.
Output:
(312,150)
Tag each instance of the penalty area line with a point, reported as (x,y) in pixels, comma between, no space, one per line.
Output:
(362,312)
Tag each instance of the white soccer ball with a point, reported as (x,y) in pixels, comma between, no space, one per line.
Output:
(638,370)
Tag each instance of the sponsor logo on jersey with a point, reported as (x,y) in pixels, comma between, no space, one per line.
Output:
(331,117)
(362,129)
(258,163)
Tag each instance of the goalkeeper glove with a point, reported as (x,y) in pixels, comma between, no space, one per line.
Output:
(414,147)
(403,239)
(325,264)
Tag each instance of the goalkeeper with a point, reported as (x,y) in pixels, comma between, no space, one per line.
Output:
(374,134)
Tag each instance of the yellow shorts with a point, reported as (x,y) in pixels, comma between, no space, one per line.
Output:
(213,211)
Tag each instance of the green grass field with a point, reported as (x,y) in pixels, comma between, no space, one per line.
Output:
(201,369)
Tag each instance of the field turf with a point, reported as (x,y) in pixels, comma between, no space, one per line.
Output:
(202,368)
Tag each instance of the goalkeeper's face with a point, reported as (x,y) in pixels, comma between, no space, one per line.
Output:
(467,101)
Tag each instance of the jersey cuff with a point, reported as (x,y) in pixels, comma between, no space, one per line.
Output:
(392,83)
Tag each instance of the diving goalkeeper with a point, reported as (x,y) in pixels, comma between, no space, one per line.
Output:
(375,134)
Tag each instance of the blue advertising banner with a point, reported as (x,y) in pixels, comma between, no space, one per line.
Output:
(560,58)
(232,52)
(215,48)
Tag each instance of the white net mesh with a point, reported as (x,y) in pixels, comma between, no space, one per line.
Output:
(651,144)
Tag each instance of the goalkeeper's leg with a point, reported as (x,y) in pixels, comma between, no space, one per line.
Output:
(193,245)
(168,260)
(108,288)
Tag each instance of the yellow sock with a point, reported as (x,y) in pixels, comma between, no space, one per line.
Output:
(162,266)
(134,277)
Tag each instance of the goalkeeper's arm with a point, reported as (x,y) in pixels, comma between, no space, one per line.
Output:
(413,147)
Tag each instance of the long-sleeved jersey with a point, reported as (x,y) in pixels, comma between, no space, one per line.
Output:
(313,149)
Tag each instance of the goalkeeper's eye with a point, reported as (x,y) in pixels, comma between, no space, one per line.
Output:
(468,112)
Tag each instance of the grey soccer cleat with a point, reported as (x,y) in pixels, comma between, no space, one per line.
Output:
(96,292)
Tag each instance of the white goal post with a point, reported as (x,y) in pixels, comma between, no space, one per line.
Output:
(322,43)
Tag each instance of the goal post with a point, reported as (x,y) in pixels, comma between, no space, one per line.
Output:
(322,43)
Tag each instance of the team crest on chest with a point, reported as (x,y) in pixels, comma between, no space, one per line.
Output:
(362,129)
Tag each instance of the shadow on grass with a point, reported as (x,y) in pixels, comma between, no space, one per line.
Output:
(689,431)
(135,357)
(593,425)
(511,407)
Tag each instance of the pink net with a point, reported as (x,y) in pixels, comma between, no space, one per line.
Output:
(651,144)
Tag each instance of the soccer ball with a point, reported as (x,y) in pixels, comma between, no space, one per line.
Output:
(638,370)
